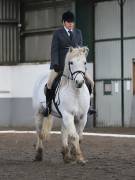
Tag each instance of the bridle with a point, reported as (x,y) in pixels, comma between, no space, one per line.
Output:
(73,75)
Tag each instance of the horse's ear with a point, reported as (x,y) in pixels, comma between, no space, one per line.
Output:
(86,50)
(71,49)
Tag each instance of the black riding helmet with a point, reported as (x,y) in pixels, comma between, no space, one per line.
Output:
(68,16)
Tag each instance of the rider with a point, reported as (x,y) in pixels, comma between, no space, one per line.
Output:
(63,38)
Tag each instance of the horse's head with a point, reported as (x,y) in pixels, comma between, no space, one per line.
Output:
(75,65)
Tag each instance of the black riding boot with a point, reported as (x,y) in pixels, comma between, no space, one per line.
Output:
(91,110)
(49,97)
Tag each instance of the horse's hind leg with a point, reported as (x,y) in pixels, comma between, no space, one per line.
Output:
(39,146)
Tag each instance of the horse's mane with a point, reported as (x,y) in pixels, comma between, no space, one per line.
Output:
(75,52)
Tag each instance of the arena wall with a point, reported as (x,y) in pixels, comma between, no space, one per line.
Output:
(16,93)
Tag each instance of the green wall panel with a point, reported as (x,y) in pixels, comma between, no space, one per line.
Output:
(85,22)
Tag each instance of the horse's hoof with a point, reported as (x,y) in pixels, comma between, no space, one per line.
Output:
(65,155)
(67,161)
(38,159)
(73,162)
(82,162)
(39,155)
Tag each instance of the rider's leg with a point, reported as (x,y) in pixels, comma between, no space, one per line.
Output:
(90,84)
(52,76)
(49,92)
(89,79)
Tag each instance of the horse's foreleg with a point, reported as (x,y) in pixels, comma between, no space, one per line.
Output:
(80,127)
(76,150)
(69,127)
(65,148)
(39,146)
(77,138)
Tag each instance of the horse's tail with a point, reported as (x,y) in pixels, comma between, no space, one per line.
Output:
(38,91)
(47,126)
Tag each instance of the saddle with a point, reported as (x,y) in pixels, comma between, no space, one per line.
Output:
(55,90)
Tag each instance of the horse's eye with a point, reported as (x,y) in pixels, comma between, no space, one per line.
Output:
(70,62)
(84,63)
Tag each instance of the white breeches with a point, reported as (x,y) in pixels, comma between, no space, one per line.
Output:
(89,78)
(52,76)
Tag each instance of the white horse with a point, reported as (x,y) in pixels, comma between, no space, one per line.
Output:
(74,101)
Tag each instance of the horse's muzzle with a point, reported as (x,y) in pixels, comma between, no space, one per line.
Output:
(79,84)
